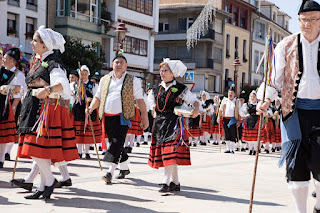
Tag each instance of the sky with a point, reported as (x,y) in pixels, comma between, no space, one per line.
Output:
(291,7)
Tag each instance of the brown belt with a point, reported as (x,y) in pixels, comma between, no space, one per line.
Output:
(62,102)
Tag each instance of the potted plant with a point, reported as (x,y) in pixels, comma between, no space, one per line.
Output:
(11,31)
(29,34)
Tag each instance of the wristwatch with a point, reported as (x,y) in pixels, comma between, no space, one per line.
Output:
(49,89)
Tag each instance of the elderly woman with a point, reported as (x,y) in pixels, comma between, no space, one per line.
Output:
(46,129)
(166,148)
(84,134)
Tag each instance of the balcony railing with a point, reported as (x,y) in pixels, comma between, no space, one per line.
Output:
(210,34)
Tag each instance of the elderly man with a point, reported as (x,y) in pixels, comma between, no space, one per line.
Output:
(297,76)
(115,99)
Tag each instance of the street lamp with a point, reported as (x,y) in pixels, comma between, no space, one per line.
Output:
(121,31)
(236,64)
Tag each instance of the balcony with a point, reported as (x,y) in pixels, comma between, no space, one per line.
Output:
(191,64)
(210,35)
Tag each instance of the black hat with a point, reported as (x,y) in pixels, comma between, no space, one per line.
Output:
(14,53)
(242,94)
(308,6)
(75,72)
(119,55)
(232,88)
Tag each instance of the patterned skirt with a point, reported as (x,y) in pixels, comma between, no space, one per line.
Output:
(277,135)
(85,137)
(215,128)
(268,133)
(250,135)
(206,125)
(8,129)
(169,153)
(136,129)
(57,141)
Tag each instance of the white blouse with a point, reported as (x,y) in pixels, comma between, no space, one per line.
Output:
(20,80)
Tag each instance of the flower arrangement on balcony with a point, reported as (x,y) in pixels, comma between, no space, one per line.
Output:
(29,34)
(11,31)
(245,59)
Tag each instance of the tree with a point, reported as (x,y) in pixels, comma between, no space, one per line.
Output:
(76,51)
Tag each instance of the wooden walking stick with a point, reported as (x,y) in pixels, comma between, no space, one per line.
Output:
(90,120)
(261,116)
(219,135)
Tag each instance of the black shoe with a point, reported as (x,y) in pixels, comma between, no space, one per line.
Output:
(35,195)
(267,151)
(247,148)
(123,174)
(129,149)
(232,152)
(194,144)
(164,188)
(104,152)
(21,183)
(1,165)
(243,150)
(203,143)
(88,156)
(315,210)
(91,148)
(174,187)
(314,194)
(208,141)
(273,150)
(254,153)
(7,156)
(278,148)
(100,148)
(48,190)
(250,153)
(60,184)
(138,144)
(145,143)
(228,151)
(237,149)
(80,156)
(107,178)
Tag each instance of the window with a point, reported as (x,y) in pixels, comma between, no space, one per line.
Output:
(243,83)
(189,22)
(160,53)
(235,17)
(243,19)
(226,79)
(60,8)
(274,16)
(218,26)
(141,6)
(182,23)
(262,65)
(228,46)
(256,60)
(14,2)
(244,52)
(255,82)
(217,54)
(30,22)
(12,25)
(260,30)
(133,46)
(287,25)
(32,4)
(236,47)
(94,11)
(183,53)
(163,27)
(255,3)
(86,10)
(211,82)
(228,9)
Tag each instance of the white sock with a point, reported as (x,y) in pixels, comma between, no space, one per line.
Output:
(45,169)
(167,174)
(267,145)
(64,172)
(3,147)
(228,145)
(131,140)
(124,165)
(107,142)
(251,145)
(202,138)
(232,146)
(138,138)
(299,191)
(9,147)
(126,143)
(112,167)
(215,137)
(317,186)
(175,177)
(33,173)
(80,148)
(273,145)
(86,148)
(278,145)
(42,182)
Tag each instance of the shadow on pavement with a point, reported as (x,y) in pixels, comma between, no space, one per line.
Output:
(5,201)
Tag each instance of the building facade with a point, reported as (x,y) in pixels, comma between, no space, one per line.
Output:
(268,16)
(205,59)
(20,18)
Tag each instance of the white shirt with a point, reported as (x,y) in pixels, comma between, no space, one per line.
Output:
(58,75)
(230,106)
(20,80)
(188,98)
(209,107)
(72,99)
(243,112)
(309,86)
(113,103)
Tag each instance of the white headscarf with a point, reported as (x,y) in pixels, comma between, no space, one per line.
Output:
(85,67)
(279,99)
(176,66)
(52,39)
(207,94)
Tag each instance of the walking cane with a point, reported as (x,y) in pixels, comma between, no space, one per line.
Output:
(261,117)
(93,135)
(219,135)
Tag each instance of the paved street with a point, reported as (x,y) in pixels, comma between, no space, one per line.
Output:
(214,183)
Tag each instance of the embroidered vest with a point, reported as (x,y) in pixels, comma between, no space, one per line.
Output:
(127,98)
(292,74)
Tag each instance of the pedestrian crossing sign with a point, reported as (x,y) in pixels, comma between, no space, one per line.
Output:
(189,77)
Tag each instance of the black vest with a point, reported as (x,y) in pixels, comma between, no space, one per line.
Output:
(6,77)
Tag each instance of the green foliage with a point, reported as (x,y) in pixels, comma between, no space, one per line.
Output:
(247,90)
(76,52)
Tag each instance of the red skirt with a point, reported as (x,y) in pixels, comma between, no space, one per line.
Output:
(268,133)
(206,125)
(277,135)
(8,129)
(250,135)
(136,129)
(58,144)
(215,128)
(195,132)
(86,137)
(169,153)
